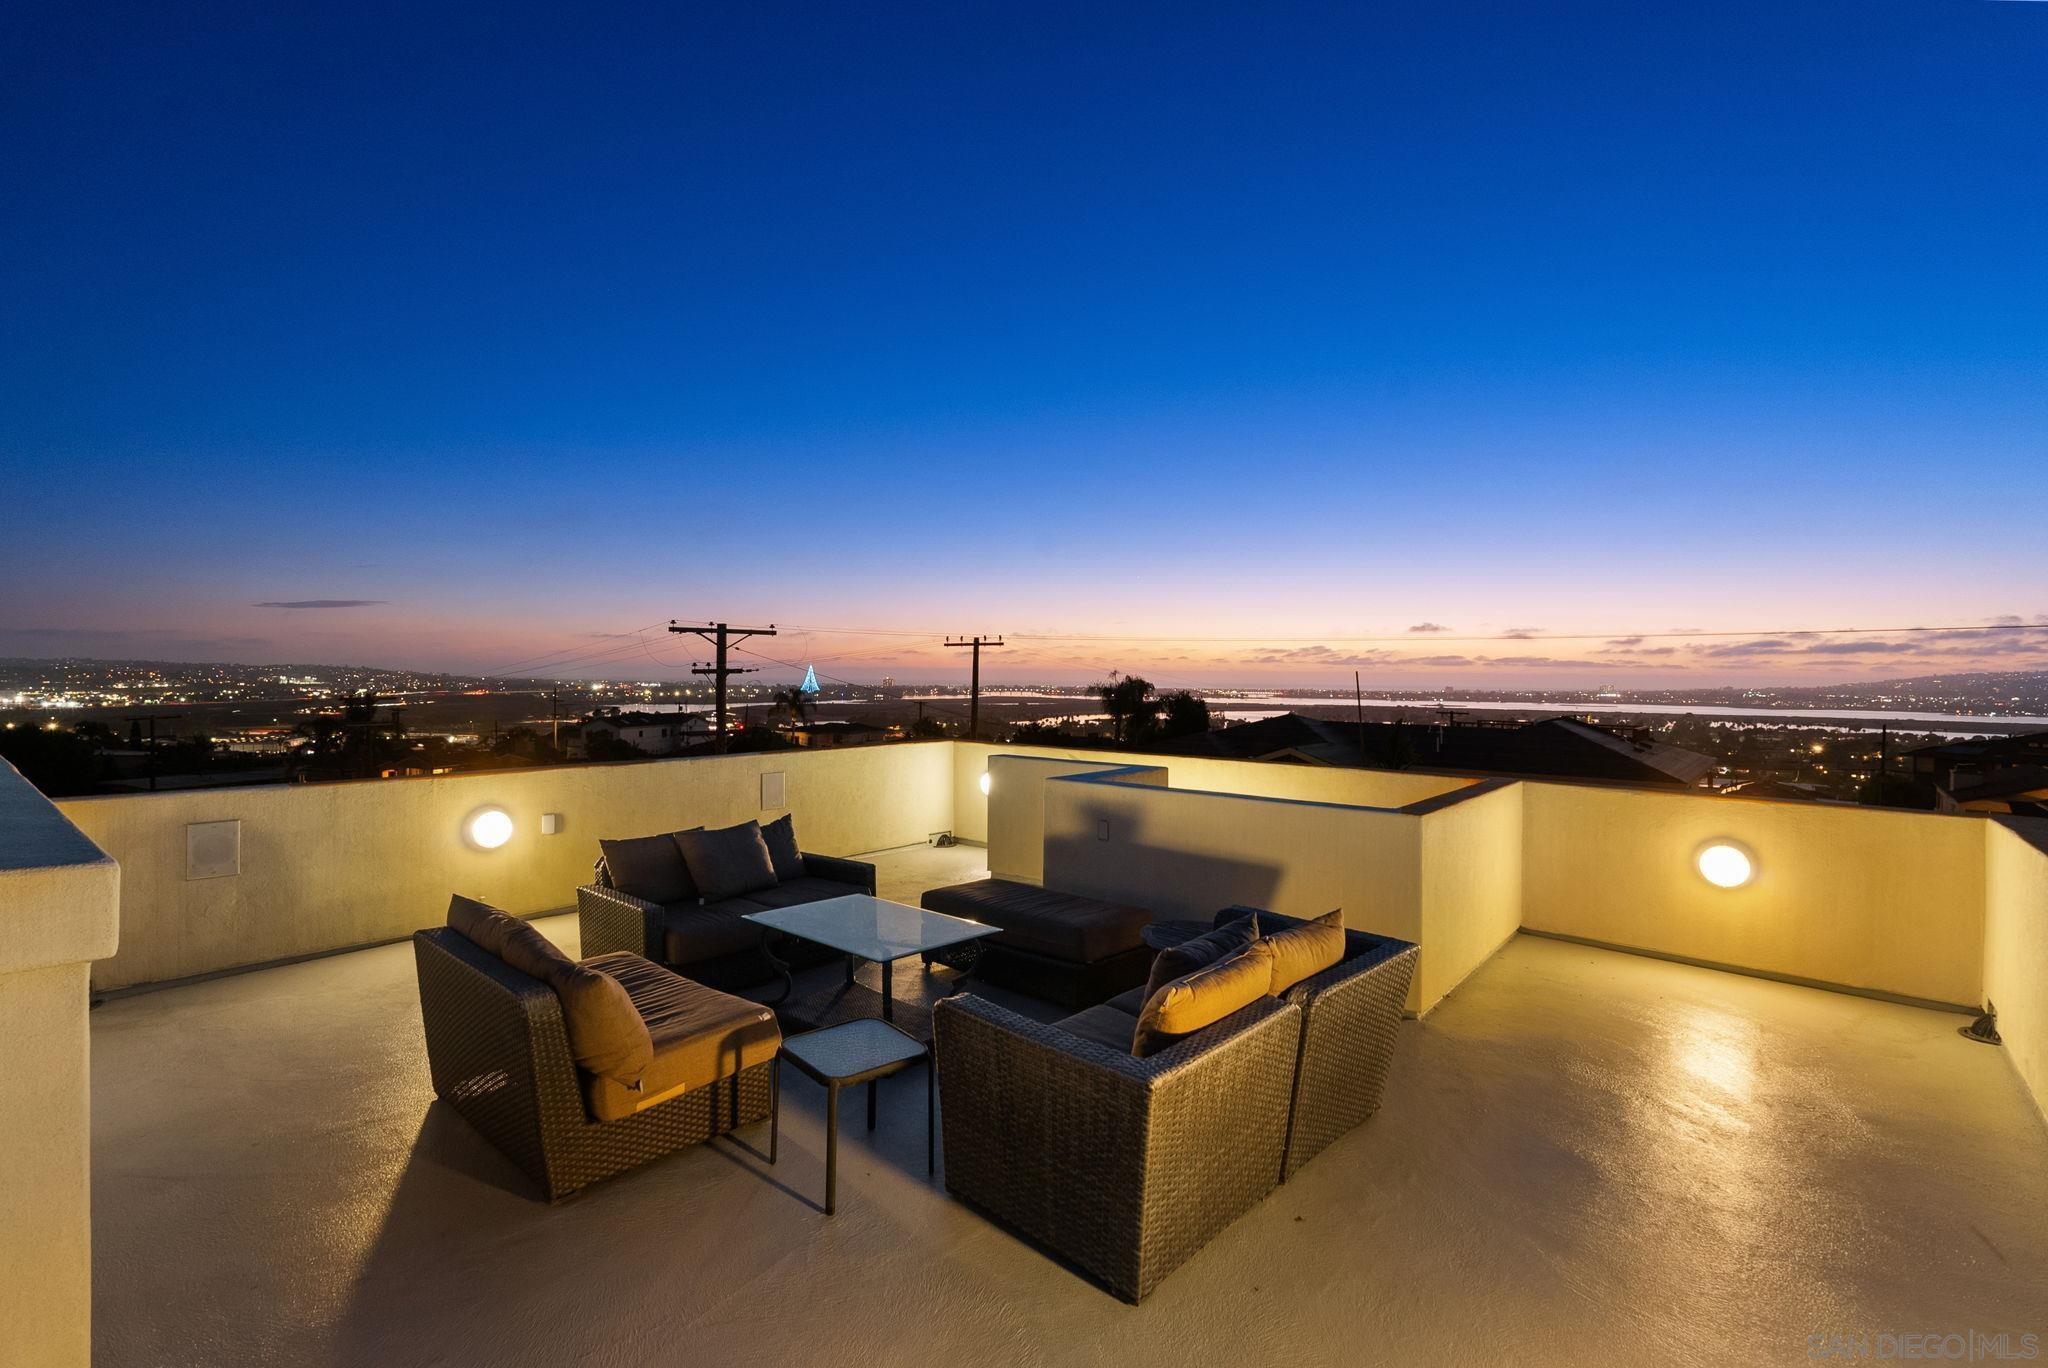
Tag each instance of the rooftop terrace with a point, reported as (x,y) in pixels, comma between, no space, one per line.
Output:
(1583,1153)
(1583,1156)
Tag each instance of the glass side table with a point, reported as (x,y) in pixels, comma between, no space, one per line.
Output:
(866,1050)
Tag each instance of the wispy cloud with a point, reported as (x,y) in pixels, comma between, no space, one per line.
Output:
(321,603)
(1429,627)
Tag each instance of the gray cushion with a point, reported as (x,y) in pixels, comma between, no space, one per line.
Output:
(780,838)
(1131,1001)
(1059,926)
(649,867)
(803,890)
(691,933)
(1204,950)
(727,862)
(1104,1025)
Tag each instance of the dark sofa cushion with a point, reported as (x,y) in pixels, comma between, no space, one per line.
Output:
(803,889)
(649,867)
(691,933)
(1204,950)
(1104,1025)
(727,862)
(1131,1001)
(780,838)
(1060,926)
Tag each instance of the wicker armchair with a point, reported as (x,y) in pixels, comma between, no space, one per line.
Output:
(1122,1167)
(1350,1014)
(611,919)
(500,1056)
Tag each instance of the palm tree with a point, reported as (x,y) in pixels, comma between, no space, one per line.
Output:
(794,704)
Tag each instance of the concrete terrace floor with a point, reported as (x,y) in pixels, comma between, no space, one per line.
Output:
(1584,1156)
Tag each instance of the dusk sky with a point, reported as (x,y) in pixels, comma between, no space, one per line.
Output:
(1223,344)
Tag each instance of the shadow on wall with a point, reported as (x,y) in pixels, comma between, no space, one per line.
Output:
(1172,884)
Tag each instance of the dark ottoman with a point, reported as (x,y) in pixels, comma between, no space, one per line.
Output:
(1059,947)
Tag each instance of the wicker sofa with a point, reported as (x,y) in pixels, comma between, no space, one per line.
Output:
(713,943)
(1350,1013)
(1067,1140)
(499,1051)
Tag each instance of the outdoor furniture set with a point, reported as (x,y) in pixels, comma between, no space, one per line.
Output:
(1120,1138)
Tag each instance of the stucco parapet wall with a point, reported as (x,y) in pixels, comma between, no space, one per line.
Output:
(1457,796)
(59,893)
(1136,776)
(2032,830)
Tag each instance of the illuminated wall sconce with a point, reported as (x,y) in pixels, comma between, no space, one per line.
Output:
(488,828)
(986,783)
(1725,864)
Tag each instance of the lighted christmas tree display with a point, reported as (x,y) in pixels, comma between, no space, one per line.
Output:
(810,684)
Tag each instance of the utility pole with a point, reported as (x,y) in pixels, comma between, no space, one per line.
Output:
(151,719)
(722,637)
(974,690)
(1358,704)
(555,718)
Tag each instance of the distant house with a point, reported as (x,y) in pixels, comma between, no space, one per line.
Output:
(2020,792)
(649,733)
(1556,747)
(1974,762)
(826,735)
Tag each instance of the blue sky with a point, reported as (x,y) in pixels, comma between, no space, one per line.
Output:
(1179,321)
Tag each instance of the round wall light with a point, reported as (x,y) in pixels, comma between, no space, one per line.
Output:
(1725,864)
(488,828)
(986,783)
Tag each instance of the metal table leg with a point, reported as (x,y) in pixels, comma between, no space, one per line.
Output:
(831,1147)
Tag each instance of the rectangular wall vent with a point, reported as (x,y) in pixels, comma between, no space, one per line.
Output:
(213,850)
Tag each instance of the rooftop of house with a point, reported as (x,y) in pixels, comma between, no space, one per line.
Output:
(1561,747)
(1583,1156)
(1640,1108)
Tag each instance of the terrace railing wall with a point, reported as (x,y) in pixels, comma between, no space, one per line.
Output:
(58,900)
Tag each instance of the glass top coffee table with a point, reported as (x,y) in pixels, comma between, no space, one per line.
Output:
(863,928)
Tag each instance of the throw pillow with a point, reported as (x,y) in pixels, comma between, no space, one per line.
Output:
(780,836)
(1303,951)
(649,867)
(606,1034)
(1202,998)
(480,924)
(1201,952)
(727,862)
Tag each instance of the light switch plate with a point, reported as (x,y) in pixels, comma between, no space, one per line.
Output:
(772,791)
(550,823)
(213,850)
(1102,830)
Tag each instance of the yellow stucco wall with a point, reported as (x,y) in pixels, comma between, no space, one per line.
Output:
(1016,807)
(58,899)
(1185,854)
(332,865)
(1866,898)
(2016,950)
(1304,783)
(1471,886)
